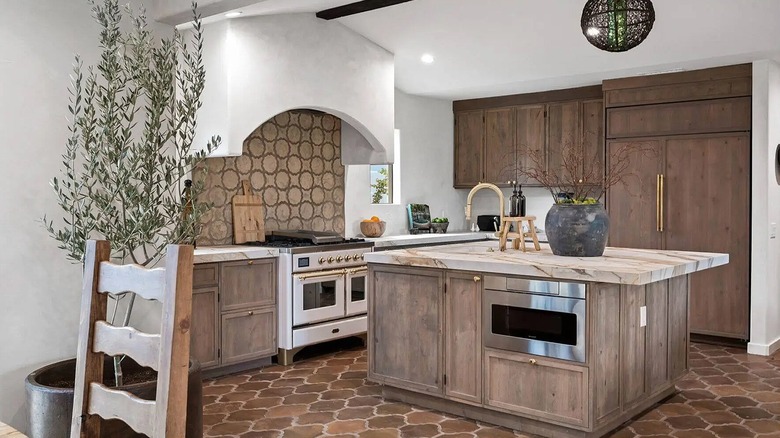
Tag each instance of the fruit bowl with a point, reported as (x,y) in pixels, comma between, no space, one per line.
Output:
(372,229)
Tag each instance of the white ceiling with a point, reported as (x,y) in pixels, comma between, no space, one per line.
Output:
(494,47)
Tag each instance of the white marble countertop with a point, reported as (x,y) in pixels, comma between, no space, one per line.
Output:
(227,253)
(617,265)
(432,239)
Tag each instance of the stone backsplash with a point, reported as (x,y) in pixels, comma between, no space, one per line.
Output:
(294,162)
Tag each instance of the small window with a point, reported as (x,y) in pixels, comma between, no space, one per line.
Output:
(381,183)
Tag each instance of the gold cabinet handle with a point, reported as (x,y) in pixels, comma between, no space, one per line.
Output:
(532,361)
(250,313)
(661,214)
(251,262)
(477,278)
(658,202)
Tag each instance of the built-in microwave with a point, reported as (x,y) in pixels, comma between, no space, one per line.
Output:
(544,318)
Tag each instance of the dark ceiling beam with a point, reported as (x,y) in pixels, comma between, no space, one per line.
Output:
(357,8)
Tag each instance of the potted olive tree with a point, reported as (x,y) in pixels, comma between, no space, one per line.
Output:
(577,223)
(128,154)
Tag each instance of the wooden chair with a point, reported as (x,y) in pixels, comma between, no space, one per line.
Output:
(168,352)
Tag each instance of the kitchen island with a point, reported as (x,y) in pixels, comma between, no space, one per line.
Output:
(549,345)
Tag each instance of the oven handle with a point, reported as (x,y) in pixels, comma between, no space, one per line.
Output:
(357,270)
(306,276)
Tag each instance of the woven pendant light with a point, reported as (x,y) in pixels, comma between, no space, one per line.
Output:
(617,25)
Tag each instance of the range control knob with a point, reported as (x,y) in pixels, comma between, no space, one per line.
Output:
(339,259)
(362,257)
(356,257)
(321,260)
(348,258)
(330,259)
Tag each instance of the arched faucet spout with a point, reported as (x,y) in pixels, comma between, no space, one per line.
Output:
(493,187)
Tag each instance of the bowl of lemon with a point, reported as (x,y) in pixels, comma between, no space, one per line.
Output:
(373,227)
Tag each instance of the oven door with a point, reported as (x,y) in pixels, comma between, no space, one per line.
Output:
(543,325)
(318,296)
(357,281)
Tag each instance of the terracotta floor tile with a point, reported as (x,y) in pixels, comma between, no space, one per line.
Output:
(728,393)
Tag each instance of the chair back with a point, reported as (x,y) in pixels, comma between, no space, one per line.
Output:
(168,352)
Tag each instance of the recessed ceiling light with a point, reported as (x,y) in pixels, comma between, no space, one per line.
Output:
(233,14)
(593,31)
(427,58)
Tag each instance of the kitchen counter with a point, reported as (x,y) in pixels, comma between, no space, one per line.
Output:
(617,265)
(543,357)
(227,253)
(428,239)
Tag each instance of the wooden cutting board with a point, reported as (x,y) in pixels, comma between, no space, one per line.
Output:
(248,216)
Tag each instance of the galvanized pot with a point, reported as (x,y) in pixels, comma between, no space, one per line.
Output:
(577,230)
(50,408)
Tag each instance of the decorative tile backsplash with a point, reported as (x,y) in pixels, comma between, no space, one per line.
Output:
(294,162)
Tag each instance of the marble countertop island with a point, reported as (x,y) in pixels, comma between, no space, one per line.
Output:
(228,253)
(617,265)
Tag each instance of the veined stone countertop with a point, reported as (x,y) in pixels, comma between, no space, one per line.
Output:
(617,265)
(228,253)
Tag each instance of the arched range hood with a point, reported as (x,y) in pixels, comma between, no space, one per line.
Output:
(260,66)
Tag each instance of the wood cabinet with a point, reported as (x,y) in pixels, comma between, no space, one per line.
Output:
(698,125)
(233,312)
(469,148)
(463,336)
(500,151)
(492,143)
(693,193)
(541,388)
(406,328)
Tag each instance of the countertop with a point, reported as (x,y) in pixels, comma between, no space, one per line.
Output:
(433,239)
(617,265)
(227,253)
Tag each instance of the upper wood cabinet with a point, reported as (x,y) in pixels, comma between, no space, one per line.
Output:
(500,151)
(530,134)
(494,137)
(469,148)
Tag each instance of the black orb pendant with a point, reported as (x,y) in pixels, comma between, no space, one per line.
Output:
(617,25)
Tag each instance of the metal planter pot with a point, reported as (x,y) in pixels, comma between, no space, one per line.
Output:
(50,408)
(577,230)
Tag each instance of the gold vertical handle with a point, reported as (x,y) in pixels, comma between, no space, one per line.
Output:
(658,202)
(661,214)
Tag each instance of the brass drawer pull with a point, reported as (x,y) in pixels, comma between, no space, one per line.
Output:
(251,262)
(532,361)
(477,278)
(250,313)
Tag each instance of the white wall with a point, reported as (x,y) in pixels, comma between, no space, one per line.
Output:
(765,251)
(426,138)
(537,203)
(176,12)
(271,64)
(40,291)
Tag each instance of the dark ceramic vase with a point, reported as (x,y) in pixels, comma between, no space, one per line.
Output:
(50,408)
(577,230)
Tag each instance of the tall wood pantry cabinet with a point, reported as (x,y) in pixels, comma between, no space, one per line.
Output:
(690,187)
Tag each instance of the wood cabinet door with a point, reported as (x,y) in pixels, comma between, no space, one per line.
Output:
(405,324)
(469,148)
(500,158)
(247,284)
(532,385)
(592,136)
(707,208)
(563,128)
(633,206)
(463,336)
(204,334)
(530,124)
(248,334)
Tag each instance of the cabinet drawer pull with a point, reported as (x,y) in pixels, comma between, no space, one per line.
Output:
(335,330)
(532,361)
(477,278)
(250,313)
(251,262)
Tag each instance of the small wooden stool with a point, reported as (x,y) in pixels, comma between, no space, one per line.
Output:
(518,238)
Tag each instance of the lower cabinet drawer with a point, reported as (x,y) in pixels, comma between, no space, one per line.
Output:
(248,334)
(332,330)
(537,387)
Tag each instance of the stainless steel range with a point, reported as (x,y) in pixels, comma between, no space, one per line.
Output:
(322,288)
